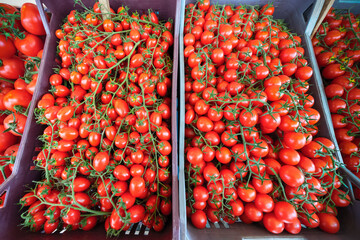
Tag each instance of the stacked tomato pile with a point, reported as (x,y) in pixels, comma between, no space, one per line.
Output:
(251,146)
(21,44)
(106,152)
(337,50)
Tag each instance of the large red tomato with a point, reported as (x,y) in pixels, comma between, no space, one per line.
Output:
(7,139)
(7,48)
(31,20)
(17,97)
(12,68)
(30,45)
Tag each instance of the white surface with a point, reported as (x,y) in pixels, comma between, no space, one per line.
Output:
(16,3)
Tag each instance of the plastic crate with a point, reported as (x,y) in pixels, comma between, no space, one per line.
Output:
(23,177)
(354,7)
(296,14)
(22,144)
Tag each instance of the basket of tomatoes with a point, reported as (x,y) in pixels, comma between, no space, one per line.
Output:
(101,147)
(336,51)
(22,38)
(257,156)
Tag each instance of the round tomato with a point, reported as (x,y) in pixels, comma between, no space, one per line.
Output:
(199,219)
(15,122)
(30,45)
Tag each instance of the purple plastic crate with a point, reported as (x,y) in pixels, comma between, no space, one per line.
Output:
(296,14)
(22,177)
(22,144)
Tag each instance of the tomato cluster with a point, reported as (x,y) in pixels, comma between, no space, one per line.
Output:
(107,143)
(251,146)
(337,50)
(21,44)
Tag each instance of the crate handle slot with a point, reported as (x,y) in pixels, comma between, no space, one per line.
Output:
(3,197)
(307,12)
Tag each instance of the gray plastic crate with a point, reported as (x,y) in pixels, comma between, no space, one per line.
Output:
(23,177)
(295,14)
(354,6)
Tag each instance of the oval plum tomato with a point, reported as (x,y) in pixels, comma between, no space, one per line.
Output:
(16,97)
(285,212)
(136,60)
(204,124)
(293,227)
(289,156)
(264,203)
(7,139)
(137,213)
(331,37)
(89,223)
(261,148)
(137,186)
(115,221)
(122,173)
(7,47)
(273,224)
(332,71)
(50,226)
(267,9)
(237,207)
(81,184)
(12,68)
(254,214)
(295,140)
(72,216)
(101,161)
(340,198)
(121,107)
(66,113)
(272,166)
(31,20)
(291,175)
(329,223)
